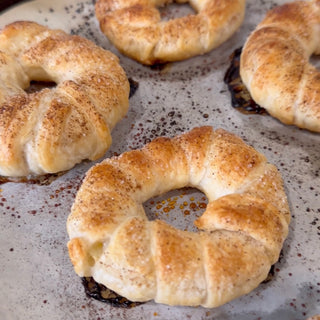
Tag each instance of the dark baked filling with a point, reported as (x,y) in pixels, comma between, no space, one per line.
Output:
(134,85)
(45,179)
(100,292)
(240,96)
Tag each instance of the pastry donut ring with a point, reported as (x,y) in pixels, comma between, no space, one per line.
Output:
(242,229)
(275,64)
(136,29)
(53,129)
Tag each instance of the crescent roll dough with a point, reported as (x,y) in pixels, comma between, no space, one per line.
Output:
(240,234)
(53,129)
(136,29)
(275,64)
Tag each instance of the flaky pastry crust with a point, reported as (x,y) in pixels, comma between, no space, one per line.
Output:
(136,29)
(275,64)
(53,129)
(240,234)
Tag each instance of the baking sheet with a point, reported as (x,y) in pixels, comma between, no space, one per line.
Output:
(36,277)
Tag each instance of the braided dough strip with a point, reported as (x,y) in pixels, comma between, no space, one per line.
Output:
(53,129)
(242,229)
(275,64)
(136,29)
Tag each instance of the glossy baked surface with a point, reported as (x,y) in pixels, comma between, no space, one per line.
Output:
(36,274)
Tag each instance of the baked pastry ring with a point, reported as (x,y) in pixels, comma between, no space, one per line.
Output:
(136,29)
(275,64)
(53,129)
(241,231)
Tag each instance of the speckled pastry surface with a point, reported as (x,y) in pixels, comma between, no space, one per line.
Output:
(36,274)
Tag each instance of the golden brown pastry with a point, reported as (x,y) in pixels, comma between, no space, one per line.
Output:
(53,129)
(275,64)
(136,29)
(240,233)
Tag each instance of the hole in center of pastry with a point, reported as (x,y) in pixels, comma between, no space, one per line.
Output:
(36,86)
(178,208)
(175,10)
(315,61)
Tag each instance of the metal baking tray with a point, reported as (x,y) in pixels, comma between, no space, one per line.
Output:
(37,280)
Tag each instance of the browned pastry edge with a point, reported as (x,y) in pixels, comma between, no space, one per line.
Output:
(240,234)
(136,29)
(315,317)
(275,64)
(53,129)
